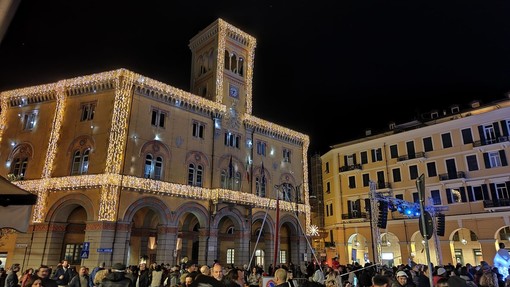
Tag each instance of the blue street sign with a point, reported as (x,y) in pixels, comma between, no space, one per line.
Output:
(105,250)
(84,254)
(86,246)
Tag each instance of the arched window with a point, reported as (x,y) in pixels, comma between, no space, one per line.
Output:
(80,163)
(19,160)
(233,183)
(195,174)
(19,166)
(287,192)
(153,167)
(260,186)
(227,60)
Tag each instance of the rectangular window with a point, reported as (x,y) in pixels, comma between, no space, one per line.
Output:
(416,197)
(364,157)
(326,169)
(230,256)
(436,197)
(502,191)
(467,136)
(331,209)
(286,155)
(376,155)
(396,175)
(29,120)
(494,159)
(431,169)
(232,140)
(427,144)
(366,179)
(87,111)
(472,163)
(394,151)
(198,130)
(158,118)
(328,187)
(261,148)
(478,193)
(446,138)
(73,253)
(352,181)
(413,172)
(283,256)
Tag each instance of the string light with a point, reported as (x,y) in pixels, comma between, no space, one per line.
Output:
(125,82)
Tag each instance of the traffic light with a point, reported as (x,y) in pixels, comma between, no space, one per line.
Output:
(440,224)
(382,217)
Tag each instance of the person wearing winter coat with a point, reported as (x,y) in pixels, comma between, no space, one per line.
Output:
(117,278)
(82,279)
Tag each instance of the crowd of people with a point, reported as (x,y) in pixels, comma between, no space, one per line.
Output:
(191,274)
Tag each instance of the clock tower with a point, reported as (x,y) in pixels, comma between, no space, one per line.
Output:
(222,68)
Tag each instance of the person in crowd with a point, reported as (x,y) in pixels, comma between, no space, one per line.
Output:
(218,272)
(254,278)
(205,270)
(188,280)
(117,277)
(156,276)
(488,277)
(423,277)
(442,282)
(33,281)
(26,274)
(144,276)
(280,278)
(43,273)
(132,273)
(402,280)
(12,279)
(191,266)
(3,275)
(94,271)
(63,274)
(440,273)
(82,279)
(379,280)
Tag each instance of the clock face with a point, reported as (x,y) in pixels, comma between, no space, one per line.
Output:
(234,92)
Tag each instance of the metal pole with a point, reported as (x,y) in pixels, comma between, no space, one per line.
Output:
(420,185)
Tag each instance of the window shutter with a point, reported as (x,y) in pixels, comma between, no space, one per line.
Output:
(462,194)
(482,135)
(449,195)
(502,155)
(470,193)
(486,160)
(496,129)
(374,159)
(504,127)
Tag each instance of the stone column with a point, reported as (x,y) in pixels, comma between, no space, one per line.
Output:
(243,248)
(167,243)
(212,247)
(203,244)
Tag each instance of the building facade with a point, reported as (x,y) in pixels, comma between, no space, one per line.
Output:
(371,195)
(127,168)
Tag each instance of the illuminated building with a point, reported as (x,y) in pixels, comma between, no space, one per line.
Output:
(141,169)
(463,155)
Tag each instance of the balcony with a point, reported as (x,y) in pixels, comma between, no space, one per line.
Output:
(447,176)
(420,154)
(490,141)
(354,215)
(502,202)
(350,167)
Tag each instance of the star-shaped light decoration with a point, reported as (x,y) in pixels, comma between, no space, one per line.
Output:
(314,230)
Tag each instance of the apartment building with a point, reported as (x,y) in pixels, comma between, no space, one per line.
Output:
(371,197)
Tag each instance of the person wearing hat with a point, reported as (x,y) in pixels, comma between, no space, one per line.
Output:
(402,280)
(117,278)
(440,273)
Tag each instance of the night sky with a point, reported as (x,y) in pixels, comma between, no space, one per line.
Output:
(329,69)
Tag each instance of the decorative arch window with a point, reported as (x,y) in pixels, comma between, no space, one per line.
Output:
(80,163)
(260,186)
(287,189)
(230,182)
(195,174)
(155,153)
(153,167)
(234,63)
(19,161)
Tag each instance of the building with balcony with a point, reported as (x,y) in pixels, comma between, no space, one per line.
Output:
(129,168)
(372,202)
